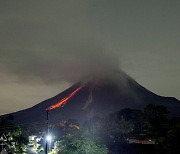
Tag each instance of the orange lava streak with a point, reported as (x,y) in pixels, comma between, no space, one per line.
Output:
(64,100)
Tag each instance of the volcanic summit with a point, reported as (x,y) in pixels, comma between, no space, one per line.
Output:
(98,95)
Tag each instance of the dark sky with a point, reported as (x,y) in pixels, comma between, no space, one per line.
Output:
(45,46)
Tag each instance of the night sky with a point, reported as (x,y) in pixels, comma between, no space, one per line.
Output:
(46,46)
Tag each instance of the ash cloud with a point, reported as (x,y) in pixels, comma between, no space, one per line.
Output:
(70,63)
(52,44)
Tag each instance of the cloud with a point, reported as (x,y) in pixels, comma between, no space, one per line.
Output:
(52,44)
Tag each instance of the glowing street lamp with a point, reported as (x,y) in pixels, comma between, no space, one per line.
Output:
(49,138)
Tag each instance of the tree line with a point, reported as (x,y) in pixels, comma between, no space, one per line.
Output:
(102,135)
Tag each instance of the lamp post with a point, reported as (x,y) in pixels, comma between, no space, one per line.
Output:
(48,142)
(48,136)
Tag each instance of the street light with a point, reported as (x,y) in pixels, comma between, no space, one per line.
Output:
(49,138)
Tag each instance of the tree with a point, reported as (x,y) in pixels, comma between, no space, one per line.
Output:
(156,120)
(135,116)
(95,128)
(122,127)
(16,141)
(165,131)
(7,121)
(72,144)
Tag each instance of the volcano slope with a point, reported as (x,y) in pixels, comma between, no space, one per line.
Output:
(97,96)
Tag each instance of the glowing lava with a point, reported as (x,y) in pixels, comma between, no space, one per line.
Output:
(64,100)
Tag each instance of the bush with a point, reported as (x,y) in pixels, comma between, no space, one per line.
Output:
(71,144)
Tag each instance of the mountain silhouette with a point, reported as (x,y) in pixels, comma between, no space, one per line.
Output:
(99,95)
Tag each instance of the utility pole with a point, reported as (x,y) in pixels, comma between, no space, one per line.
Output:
(47,123)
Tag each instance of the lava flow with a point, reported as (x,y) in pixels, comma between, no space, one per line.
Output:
(64,100)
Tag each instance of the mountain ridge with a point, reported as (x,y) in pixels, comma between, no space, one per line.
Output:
(100,95)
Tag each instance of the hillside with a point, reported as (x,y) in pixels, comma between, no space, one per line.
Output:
(98,95)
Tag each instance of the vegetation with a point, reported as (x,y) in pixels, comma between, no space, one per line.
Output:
(165,131)
(72,144)
(75,141)
(16,140)
(102,135)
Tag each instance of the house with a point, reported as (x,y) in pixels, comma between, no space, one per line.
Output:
(141,139)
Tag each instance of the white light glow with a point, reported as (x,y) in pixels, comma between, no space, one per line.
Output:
(49,138)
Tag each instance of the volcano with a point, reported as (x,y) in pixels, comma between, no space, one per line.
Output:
(99,95)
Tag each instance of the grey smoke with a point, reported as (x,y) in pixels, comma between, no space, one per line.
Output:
(52,44)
